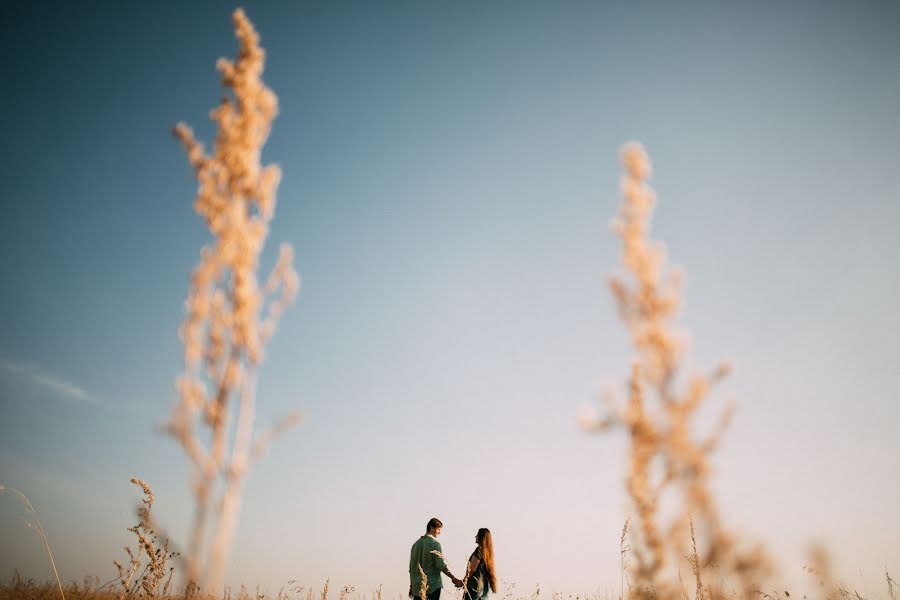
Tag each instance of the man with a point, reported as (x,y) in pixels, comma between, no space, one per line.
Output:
(423,554)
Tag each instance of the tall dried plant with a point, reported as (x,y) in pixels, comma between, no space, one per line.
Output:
(624,548)
(423,586)
(153,554)
(664,455)
(33,523)
(230,318)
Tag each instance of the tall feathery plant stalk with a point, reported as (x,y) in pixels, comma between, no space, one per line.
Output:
(33,523)
(230,318)
(623,550)
(664,455)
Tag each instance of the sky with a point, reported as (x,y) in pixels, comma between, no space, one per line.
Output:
(450,170)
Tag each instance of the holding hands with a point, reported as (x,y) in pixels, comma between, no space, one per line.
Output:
(426,564)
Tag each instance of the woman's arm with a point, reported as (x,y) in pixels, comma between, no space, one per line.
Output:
(473,565)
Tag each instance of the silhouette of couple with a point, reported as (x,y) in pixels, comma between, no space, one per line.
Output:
(426,563)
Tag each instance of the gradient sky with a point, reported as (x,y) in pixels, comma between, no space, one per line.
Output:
(450,169)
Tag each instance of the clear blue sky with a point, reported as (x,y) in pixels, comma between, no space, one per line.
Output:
(449,173)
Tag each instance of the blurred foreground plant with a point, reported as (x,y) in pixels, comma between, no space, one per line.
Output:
(229,317)
(664,455)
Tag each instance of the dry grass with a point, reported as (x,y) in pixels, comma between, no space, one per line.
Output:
(624,548)
(891,585)
(230,318)
(148,566)
(18,588)
(423,587)
(32,522)
(665,456)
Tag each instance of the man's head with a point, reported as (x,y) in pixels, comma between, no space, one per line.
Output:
(434,527)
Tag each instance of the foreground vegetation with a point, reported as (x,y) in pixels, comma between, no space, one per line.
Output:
(19,588)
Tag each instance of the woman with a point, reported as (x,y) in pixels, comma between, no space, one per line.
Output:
(480,573)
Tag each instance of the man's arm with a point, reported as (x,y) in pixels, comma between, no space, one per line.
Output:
(456,582)
(442,565)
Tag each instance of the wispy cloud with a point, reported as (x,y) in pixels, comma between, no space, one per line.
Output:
(37,375)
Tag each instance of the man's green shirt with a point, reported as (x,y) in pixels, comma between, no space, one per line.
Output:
(421,554)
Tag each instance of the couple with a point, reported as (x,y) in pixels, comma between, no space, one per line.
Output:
(426,555)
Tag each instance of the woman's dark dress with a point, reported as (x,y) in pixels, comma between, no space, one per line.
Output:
(477,585)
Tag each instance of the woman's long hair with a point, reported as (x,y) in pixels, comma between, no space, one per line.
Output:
(486,543)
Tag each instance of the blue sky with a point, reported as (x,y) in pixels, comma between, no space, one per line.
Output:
(450,170)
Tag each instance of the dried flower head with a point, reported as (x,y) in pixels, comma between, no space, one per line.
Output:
(664,453)
(229,317)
